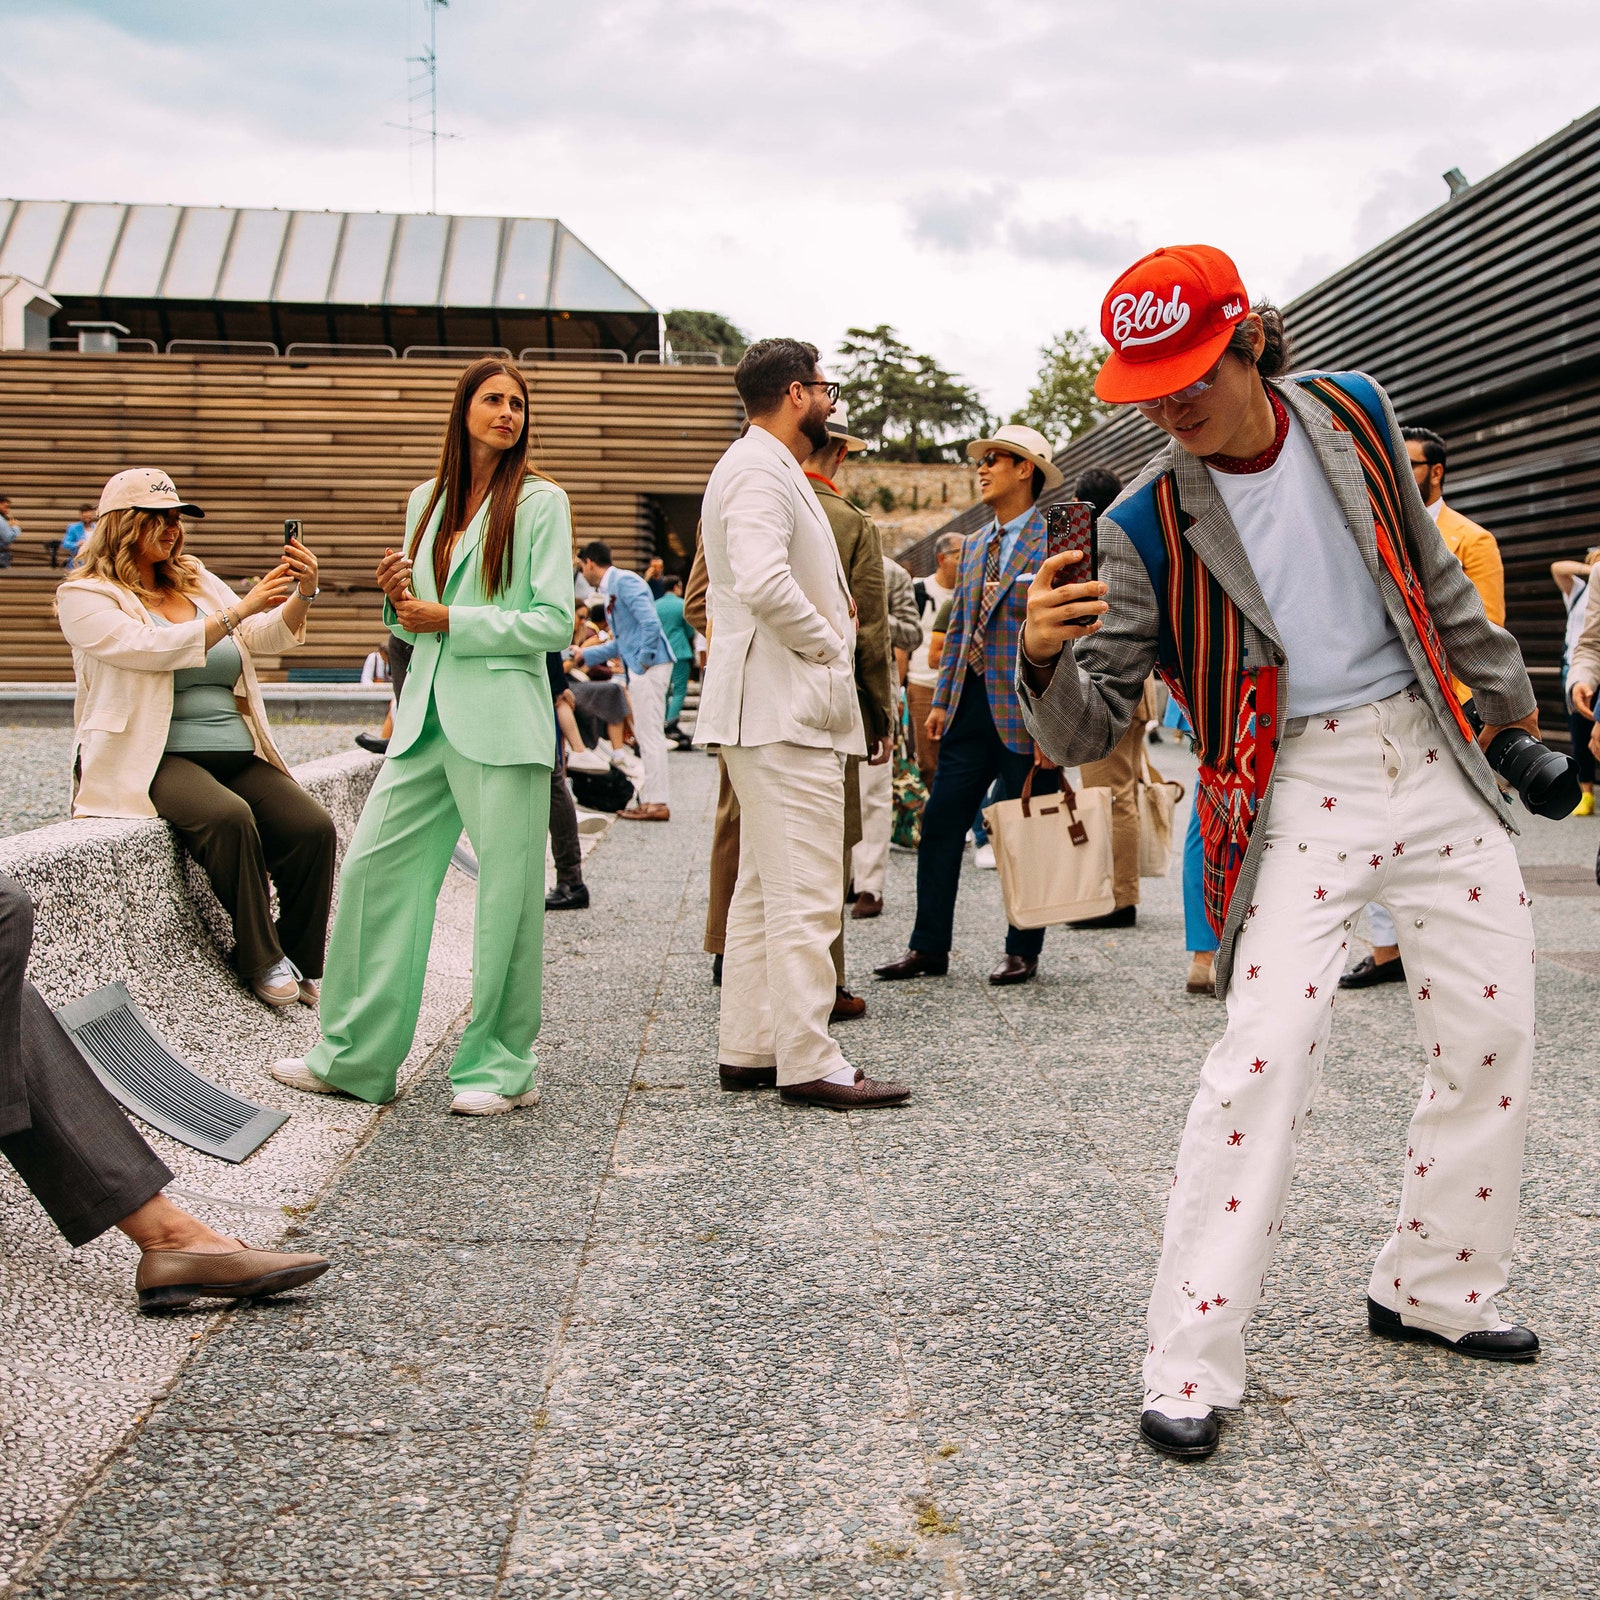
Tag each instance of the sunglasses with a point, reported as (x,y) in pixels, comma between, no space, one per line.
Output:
(1191,391)
(990,457)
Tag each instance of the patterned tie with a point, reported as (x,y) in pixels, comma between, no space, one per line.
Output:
(991,582)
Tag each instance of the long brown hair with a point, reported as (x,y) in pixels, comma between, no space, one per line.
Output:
(453,484)
(110,551)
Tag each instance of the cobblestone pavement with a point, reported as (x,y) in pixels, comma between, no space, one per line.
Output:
(35,788)
(651,1340)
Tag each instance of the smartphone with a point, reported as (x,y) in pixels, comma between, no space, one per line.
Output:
(1071,526)
(292,529)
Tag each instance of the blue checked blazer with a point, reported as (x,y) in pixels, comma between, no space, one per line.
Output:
(1002,630)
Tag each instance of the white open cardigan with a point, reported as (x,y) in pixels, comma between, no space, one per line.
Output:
(124,665)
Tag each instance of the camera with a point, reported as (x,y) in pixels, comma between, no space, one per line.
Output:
(1545,780)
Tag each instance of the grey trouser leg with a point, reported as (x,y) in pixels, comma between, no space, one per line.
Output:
(564,842)
(76,1150)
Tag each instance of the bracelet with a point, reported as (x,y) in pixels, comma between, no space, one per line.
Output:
(1038,666)
(228,620)
(308,598)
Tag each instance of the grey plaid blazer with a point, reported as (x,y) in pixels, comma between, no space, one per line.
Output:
(1081,715)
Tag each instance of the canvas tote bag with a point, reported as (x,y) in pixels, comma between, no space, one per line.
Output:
(1158,798)
(1053,853)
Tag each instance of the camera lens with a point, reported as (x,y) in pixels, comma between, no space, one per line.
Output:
(1546,780)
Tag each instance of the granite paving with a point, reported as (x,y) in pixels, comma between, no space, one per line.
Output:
(651,1340)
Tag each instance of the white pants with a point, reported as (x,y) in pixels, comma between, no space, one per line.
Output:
(778,981)
(648,692)
(869,861)
(1368,805)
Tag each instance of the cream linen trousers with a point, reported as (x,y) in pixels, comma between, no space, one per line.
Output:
(1368,805)
(778,981)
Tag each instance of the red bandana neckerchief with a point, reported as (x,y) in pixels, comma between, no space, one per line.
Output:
(1240,466)
(816,477)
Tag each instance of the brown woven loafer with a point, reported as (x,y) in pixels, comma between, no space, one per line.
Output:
(170,1279)
(865,1094)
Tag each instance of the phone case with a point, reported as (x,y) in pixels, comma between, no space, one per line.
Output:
(1070,526)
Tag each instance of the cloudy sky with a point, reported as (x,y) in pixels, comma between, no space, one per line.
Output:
(973,173)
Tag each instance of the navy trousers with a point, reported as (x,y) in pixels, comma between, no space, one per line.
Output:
(972,756)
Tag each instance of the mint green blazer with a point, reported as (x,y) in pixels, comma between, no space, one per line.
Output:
(487,674)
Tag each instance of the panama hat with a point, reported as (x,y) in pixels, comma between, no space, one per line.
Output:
(839,427)
(144,489)
(1022,441)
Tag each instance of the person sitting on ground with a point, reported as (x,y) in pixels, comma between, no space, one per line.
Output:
(375,671)
(169,722)
(88,1167)
(10,531)
(73,539)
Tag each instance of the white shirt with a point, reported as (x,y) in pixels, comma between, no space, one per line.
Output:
(920,672)
(1576,600)
(1434,509)
(1341,647)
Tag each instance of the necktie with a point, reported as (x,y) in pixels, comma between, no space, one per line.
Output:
(991,582)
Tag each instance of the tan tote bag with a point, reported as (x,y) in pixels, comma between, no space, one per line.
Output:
(1158,798)
(1054,854)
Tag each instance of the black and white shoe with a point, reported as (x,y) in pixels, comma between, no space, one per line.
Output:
(1500,1344)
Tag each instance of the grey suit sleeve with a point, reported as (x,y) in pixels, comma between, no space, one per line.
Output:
(1089,702)
(905,625)
(1486,658)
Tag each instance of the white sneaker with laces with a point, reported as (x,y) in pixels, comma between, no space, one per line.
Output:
(486,1103)
(983,858)
(293,1071)
(587,761)
(627,763)
(279,985)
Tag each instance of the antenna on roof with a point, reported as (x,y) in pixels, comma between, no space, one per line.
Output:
(423,89)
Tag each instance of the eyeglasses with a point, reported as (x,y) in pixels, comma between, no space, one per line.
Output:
(817,383)
(989,457)
(1191,391)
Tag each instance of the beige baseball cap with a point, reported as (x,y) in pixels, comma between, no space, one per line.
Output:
(1023,441)
(839,427)
(144,489)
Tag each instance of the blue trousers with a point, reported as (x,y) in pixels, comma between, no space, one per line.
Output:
(1197,934)
(971,757)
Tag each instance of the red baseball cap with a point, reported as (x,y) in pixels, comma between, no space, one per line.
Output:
(1168,319)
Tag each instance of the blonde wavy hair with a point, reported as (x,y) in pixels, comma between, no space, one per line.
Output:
(109,553)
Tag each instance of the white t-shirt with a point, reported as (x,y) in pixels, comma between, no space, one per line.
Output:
(1577,603)
(920,672)
(1342,649)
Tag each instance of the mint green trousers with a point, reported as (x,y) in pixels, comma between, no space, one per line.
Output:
(388,894)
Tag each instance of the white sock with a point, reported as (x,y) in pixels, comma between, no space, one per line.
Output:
(1170,1406)
(845,1075)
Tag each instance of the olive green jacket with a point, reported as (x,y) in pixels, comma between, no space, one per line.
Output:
(861,551)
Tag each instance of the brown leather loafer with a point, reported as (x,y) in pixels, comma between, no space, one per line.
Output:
(737,1079)
(168,1280)
(867,905)
(914,964)
(847,1007)
(653,812)
(1014,969)
(865,1094)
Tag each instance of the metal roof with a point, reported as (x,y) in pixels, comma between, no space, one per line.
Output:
(128,252)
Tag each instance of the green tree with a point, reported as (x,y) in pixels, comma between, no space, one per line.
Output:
(1062,402)
(907,406)
(706,330)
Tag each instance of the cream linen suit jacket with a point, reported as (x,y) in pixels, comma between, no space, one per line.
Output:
(781,669)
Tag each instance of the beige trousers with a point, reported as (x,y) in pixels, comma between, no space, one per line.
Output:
(1119,772)
(778,982)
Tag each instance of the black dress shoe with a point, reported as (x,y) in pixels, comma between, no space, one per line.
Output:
(370,741)
(1511,1344)
(568,897)
(716,971)
(1122,917)
(1014,969)
(1188,1438)
(914,964)
(865,1094)
(736,1079)
(1367,972)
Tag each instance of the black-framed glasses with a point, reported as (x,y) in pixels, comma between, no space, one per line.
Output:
(989,457)
(817,383)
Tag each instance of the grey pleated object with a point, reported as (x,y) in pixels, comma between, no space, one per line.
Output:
(146,1078)
(463,860)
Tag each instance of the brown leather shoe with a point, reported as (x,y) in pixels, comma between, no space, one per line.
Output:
(867,905)
(1014,969)
(737,1079)
(1202,973)
(847,1007)
(170,1279)
(865,1094)
(914,964)
(654,812)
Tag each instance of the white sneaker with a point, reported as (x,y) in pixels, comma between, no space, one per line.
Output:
(293,1071)
(310,991)
(486,1103)
(627,763)
(587,761)
(983,858)
(279,985)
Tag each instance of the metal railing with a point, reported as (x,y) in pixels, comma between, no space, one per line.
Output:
(679,358)
(545,352)
(138,346)
(453,352)
(221,347)
(341,352)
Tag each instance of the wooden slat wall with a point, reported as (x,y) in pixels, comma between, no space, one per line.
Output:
(340,444)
